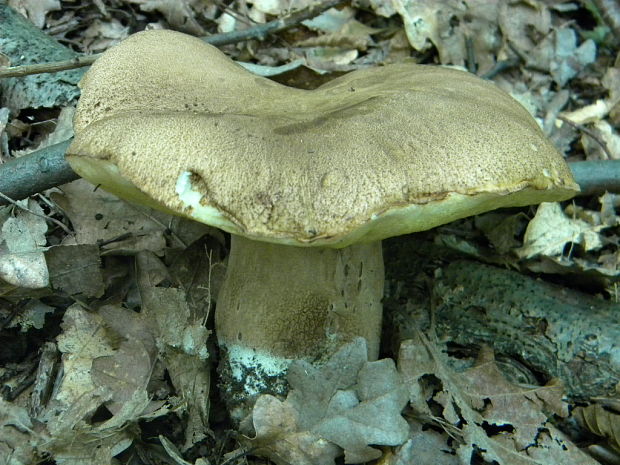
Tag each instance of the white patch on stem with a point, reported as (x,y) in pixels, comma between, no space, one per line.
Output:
(253,367)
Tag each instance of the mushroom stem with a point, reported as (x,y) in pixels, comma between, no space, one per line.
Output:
(281,303)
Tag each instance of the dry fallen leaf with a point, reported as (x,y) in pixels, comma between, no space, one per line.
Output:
(22,246)
(83,339)
(551,229)
(180,14)
(606,134)
(426,446)
(18,439)
(279,7)
(101,217)
(601,421)
(485,414)
(340,30)
(523,23)
(35,10)
(32,316)
(75,269)
(450,25)
(128,369)
(347,404)
(181,337)
(102,35)
(561,55)
(88,385)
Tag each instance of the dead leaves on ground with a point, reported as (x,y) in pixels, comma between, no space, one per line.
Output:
(453,416)
(127,365)
(113,367)
(578,239)
(22,241)
(345,405)
(348,406)
(603,419)
(481,413)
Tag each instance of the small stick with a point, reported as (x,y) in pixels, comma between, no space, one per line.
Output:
(8,199)
(501,66)
(257,32)
(52,67)
(590,133)
(597,176)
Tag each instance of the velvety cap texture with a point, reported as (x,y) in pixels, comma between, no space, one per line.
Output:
(168,120)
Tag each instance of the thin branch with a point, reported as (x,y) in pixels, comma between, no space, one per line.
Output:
(597,176)
(590,133)
(52,67)
(260,32)
(156,221)
(8,199)
(235,14)
(501,66)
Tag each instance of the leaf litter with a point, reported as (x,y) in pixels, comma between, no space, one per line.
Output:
(482,412)
(134,288)
(343,406)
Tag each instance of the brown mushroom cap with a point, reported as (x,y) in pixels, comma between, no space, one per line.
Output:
(168,120)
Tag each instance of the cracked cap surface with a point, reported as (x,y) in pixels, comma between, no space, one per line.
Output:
(168,120)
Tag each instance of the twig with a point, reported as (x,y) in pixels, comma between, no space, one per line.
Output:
(53,67)
(470,54)
(235,14)
(17,308)
(159,223)
(8,199)
(590,133)
(501,66)
(257,32)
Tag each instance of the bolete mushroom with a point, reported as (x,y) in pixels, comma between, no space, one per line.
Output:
(308,183)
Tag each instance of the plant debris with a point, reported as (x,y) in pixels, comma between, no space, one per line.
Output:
(345,405)
(107,350)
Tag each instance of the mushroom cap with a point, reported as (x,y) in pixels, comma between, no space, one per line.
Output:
(168,120)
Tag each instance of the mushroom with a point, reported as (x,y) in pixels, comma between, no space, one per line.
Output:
(308,183)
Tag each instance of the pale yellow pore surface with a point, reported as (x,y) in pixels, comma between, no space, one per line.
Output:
(376,153)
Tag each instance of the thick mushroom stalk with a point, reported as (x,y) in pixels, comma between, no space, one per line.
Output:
(307,182)
(281,303)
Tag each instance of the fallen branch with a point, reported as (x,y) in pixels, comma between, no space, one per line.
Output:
(40,170)
(52,67)
(596,177)
(537,330)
